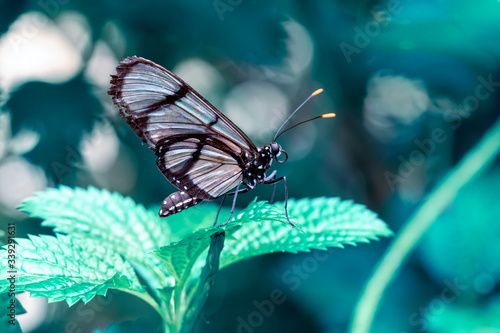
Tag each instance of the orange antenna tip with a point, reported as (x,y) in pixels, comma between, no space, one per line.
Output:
(328,115)
(278,133)
(319,91)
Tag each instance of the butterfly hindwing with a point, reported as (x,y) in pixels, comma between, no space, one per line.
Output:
(202,170)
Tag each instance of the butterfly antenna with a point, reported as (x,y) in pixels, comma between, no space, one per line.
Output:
(317,92)
(326,115)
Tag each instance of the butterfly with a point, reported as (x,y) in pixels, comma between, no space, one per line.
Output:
(199,150)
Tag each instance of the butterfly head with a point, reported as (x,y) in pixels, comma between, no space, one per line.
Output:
(276,151)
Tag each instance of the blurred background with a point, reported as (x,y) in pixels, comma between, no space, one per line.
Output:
(415,84)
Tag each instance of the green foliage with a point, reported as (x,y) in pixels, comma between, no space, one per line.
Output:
(106,234)
(113,221)
(463,244)
(200,291)
(322,223)
(179,257)
(67,268)
(184,261)
(454,318)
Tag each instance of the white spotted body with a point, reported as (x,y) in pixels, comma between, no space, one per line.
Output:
(255,170)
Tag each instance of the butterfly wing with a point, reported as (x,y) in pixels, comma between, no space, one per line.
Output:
(199,149)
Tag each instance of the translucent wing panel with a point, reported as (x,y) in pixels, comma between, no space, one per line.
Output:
(201,170)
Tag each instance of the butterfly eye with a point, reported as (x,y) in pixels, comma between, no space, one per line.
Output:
(275,149)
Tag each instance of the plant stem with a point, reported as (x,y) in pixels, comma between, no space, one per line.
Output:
(472,165)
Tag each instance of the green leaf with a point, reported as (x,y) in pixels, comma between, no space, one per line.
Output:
(261,211)
(180,257)
(105,227)
(203,216)
(183,259)
(190,220)
(323,222)
(200,292)
(66,268)
(118,223)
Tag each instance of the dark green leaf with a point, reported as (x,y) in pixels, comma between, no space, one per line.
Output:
(116,222)
(322,222)
(65,268)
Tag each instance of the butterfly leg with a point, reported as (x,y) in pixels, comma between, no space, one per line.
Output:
(218,211)
(272,196)
(244,190)
(234,204)
(268,180)
(286,202)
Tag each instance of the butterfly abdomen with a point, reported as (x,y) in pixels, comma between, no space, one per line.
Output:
(177,202)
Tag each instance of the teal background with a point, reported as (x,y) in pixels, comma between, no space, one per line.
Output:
(414,84)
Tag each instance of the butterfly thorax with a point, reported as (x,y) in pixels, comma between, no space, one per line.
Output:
(257,165)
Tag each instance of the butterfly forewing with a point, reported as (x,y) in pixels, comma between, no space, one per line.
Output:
(162,105)
(199,149)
